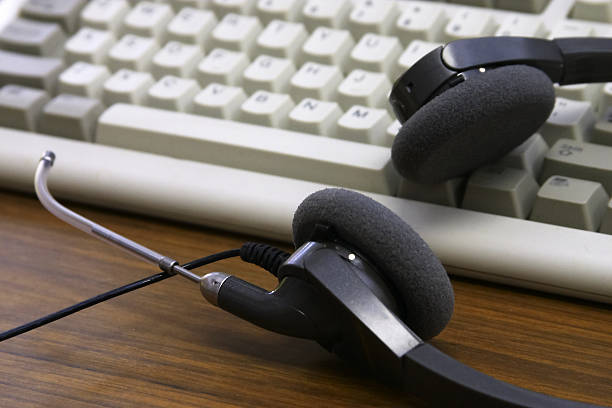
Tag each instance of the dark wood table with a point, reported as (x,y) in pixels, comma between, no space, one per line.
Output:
(165,346)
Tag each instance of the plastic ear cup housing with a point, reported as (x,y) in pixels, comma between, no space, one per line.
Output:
(473,123)
(405,260)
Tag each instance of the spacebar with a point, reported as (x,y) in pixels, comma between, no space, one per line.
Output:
(249,147)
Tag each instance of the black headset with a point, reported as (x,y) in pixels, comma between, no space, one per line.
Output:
(361,282)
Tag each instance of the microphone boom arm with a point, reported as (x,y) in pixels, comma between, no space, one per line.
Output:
(164,263)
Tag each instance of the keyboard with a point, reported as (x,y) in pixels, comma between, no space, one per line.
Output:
(228,113)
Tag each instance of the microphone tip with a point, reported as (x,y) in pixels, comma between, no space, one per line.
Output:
(210,285)
(49,157)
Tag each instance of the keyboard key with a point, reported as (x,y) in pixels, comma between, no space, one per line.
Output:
(222,66)
(315,117)
(234,144)
(180,4)
(287,10)
(365,125)
(594,10)
(105,15)
(219,101)
(602,133)
(519,25)
(528,6)
(333,14)
(415,51)
(569,119)
(570,29)
(223,7)
(606,223)
(266,109)
(581,160)
(501,190)
(126,86)
(315,81)
(372,16)
(64,13)
(84,79)
(89,45)
(605,103)
(176,59)
(281,39)
(173,93)
(528,156)
(375,53)
(477,3)
(469,23)
(448,193)
(71,116)
(392,130)
(580,92)
(328,46)
(33,37)
(29,70)
(236,32)
(364,88)
(570,202)
(420,21)
(192,26)
(132,52)
(20,107)
(148,19)
(268,73)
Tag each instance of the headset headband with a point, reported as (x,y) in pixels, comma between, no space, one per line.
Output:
(564,60)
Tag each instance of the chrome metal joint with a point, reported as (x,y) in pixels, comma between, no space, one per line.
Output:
(210,285)
(167,264)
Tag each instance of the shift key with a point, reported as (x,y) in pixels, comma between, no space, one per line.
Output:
(587,161)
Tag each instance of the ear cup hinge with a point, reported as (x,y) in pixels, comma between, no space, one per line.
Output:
(417,85)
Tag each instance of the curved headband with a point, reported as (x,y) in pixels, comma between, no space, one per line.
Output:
(368,333)
(565,61)
(430,373)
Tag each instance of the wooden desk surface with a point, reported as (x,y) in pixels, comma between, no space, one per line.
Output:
(165,346)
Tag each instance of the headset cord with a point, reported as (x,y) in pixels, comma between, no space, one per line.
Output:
(265,256)
(158,277)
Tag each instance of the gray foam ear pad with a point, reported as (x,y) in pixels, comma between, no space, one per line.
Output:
(474,123)
(391,246)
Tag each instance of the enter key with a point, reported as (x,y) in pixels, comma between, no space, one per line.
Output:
(582,160)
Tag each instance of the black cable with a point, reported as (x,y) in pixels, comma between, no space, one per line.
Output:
(83,305)
(266,256)
(212,258)
(112,294)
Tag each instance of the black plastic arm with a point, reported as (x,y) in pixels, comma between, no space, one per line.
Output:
(432,374)
(565,61)
(463,55)
(586,59)
(278,311)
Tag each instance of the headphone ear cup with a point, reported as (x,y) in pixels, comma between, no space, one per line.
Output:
(391,245)
(474,123)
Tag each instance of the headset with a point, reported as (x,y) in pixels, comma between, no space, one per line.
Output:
(361,282)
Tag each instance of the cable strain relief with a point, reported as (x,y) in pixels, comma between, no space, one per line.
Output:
(266,256)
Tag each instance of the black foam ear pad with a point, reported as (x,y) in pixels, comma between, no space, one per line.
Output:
(393,248)
(474,123)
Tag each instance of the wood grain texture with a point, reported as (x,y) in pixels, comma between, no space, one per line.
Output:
(165,346)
